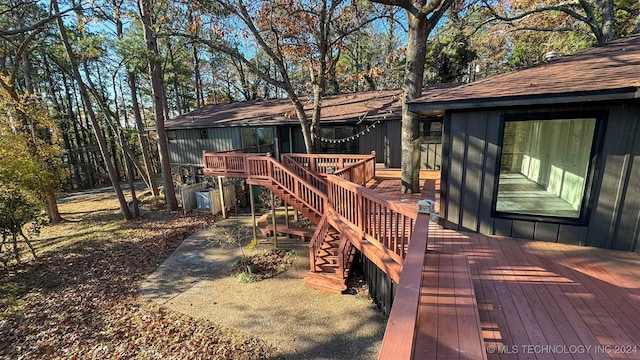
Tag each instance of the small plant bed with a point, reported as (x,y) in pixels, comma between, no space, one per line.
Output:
(262,266)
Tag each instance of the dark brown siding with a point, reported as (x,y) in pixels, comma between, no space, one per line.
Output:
(470,151)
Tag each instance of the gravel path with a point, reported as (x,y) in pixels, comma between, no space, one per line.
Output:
(303,323)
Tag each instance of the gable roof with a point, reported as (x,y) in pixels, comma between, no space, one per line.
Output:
(337,109)
(610,72)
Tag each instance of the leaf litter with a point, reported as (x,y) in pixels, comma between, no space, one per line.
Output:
(80,299)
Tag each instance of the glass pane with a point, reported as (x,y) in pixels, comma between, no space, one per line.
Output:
(172,135)
(346,145)
(249,140)
(544,166)
(265,139)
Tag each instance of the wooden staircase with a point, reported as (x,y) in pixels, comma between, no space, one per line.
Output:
(285,194)
(326,273)
(297,182)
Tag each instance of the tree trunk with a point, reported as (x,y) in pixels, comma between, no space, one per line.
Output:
(148,173)
(52,205)
(414,71)
(102,143)
(160,104)
(48,192)
(607,13)
(198,80)
(142,136)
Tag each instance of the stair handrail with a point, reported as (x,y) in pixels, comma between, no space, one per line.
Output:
(266,167)
(308,175)
(317,240)
(344,251)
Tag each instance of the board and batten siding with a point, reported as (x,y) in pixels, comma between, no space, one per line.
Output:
(392,143)
(188,146)
(372,140)
(470,150)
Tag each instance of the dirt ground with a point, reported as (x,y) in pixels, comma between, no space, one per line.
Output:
(301,322)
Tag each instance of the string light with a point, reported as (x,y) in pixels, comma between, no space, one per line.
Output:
(349,138)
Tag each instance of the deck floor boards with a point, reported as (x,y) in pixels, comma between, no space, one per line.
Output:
(572,302)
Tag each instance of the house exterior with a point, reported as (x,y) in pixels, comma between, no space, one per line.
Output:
(551,152)
(356,123)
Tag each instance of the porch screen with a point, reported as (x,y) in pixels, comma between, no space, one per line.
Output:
(544,167)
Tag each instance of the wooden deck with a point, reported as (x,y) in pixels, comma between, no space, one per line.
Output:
(533,299)
(387,182)
(541,300)
(536,300)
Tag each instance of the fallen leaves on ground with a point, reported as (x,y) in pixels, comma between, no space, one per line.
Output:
(80,298)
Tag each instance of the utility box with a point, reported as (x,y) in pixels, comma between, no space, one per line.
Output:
(203,199)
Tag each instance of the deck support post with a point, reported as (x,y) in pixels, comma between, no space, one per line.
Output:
(286,217)
(222,204)
(253,213)
(295,215)
(273,216)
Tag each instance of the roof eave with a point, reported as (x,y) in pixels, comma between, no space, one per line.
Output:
(430,107)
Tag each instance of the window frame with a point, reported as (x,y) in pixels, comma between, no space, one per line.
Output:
(601,118)
(353,148)
(172,136)
(260,148)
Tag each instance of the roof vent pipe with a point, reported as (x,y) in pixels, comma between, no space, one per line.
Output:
(551,55)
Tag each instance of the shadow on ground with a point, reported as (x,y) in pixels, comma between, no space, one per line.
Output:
(303,323)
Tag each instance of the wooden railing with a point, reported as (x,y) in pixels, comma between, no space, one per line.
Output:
(308,175)
(395,229)
(377,219)
(359,172)
(317,240)
(400,334)
(344,252)
(228,163)
(267,168)
(319,163)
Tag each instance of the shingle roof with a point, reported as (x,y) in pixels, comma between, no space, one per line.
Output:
(372,105)
(603,73)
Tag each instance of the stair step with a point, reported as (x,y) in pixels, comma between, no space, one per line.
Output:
(329,259)
(324,285)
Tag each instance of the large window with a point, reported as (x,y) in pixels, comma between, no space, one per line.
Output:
(346,141)
(545,167)
(257,140)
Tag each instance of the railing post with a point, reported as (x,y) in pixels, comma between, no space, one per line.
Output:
(222,204)
(254,224)
(269,166)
